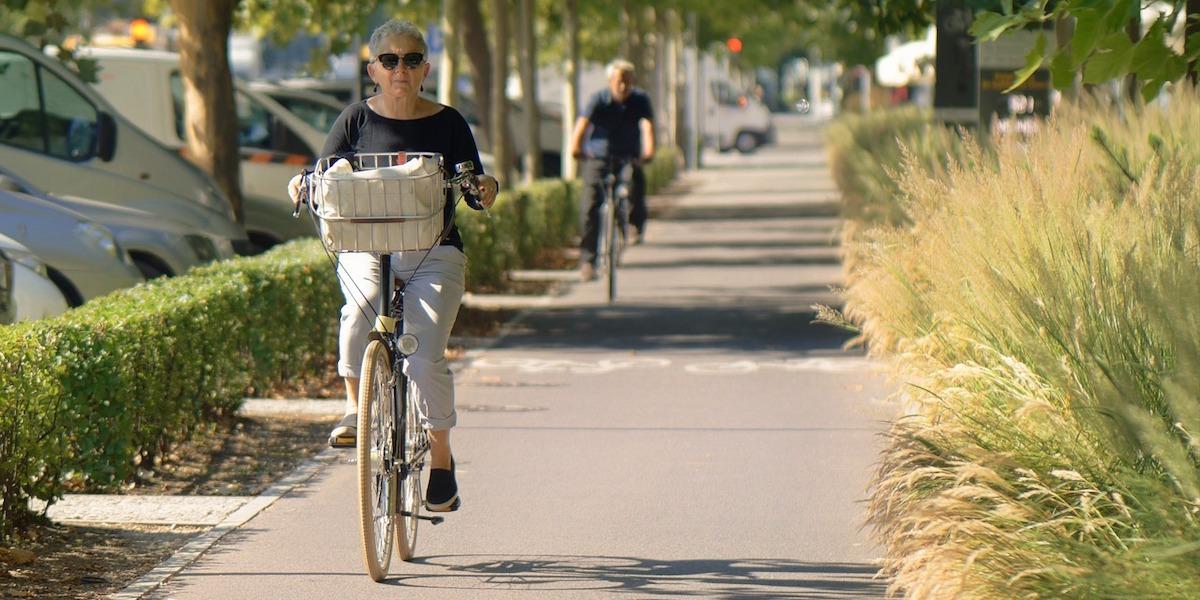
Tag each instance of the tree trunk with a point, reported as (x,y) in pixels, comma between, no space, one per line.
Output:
(448,66)
(1192,36)
(625,18)
(209,126)
(475,42)
(533,118)
(672,44)
(570,85)
(501,140)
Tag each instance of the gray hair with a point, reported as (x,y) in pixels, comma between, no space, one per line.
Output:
(619,65)
(393,28)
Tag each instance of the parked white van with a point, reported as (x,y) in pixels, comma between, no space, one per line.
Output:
(62,136)
(147,87)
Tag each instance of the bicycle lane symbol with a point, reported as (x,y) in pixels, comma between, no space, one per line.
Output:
(575,367)
(745,367)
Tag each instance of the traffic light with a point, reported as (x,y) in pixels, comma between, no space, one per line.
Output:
(141,33)
(734,45)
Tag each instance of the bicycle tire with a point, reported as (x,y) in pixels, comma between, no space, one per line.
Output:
(602,226)
(613,252)
(376,478)
(409,484)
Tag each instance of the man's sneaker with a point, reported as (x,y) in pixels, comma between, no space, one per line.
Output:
(587,272)
(441,494)
(345,434)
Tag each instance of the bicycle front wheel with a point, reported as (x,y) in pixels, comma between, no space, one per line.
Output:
(375,453)
(612,248)
(416,445)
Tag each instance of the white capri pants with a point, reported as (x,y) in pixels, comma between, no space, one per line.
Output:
(431,300)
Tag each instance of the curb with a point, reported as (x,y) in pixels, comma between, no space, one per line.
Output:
(200,544)
(197,546)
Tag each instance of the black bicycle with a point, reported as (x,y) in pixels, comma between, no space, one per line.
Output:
(613,226)
(385,203)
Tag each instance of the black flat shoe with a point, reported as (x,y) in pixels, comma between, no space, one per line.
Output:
(441,494)
(345,434)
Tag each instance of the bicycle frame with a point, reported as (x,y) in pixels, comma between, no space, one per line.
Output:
(389,329)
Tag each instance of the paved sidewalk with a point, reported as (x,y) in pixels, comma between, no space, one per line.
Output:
(700,437)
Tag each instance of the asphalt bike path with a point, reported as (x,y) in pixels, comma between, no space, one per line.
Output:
(700,437)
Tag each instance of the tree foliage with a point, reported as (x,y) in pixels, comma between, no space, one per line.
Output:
(1101,47)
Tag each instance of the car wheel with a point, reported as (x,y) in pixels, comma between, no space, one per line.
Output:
(150,267)
(746,142)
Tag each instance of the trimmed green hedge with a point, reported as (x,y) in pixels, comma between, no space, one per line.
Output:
(87,396)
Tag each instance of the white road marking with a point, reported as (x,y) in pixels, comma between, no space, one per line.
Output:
(721,367)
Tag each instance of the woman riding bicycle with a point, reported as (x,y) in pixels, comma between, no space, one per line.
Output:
(398,119)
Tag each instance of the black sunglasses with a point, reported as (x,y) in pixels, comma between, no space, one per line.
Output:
(390,60)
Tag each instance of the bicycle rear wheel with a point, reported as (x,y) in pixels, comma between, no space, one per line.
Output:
(416,445)
(376,475)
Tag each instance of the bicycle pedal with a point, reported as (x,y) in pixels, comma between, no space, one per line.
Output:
(433,520)
(342,442)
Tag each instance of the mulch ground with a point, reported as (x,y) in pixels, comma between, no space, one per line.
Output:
(241,457)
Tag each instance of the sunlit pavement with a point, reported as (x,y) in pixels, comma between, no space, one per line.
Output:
(700,437)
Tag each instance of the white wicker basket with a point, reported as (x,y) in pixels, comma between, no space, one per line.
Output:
(394,204)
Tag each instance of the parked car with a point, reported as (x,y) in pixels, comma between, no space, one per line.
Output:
(83,258)
(26,293)
(737,119)
(315,108)
(159,246)
(60,134)
(147,87)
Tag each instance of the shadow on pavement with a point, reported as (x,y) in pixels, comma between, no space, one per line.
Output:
(758,260)
(827,240)
(752,212)
(645,577)
(736,327)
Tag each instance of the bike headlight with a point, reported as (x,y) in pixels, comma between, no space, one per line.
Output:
(202,247)
(99,238)
(407,343)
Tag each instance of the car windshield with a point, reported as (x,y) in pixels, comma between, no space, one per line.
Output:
(320,115)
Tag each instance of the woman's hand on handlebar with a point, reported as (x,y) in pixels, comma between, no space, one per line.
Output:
(488,187)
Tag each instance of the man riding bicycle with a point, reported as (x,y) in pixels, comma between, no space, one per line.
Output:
(618,124)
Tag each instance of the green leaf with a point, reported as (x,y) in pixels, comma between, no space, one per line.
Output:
(1193,47)
(1087,33)
(1150,54)
(1119,15)
(1033,61)
(1110,60)
(1062,71)
(1151,88)
(989,25)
